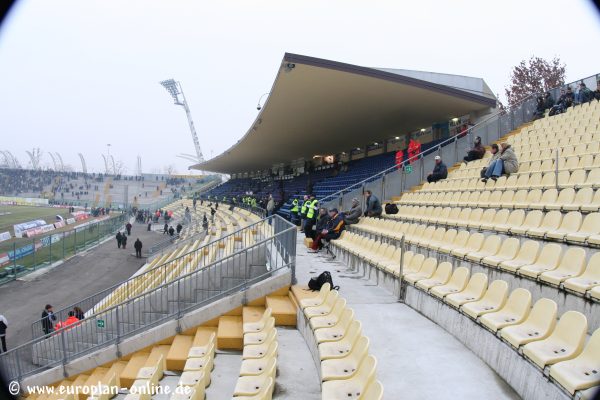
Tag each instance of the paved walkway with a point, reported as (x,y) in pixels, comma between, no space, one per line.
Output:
(22,301)
(417,359)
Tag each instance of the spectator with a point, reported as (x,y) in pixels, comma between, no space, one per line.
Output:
(353,215)
(322,220)
(440,171)
(48,319)
(564,101)
(333,229)
(3,326)
(373,205)
(596,92)
(477,152)
(495,155)
(124,241)
(205,224)
(119,238)
(584,94)
(128,227)
(79,314)
(548,101)
(505,163)
(179,228)
(165,228)
(311,216)
(303,210)
(540,108)
(149,226)
(71,319)
(171,231)
(270,205)
(138,248)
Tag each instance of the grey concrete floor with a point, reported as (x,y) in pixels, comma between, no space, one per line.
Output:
(22,301)
(417,359)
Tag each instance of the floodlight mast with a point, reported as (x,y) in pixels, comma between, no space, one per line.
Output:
(176,91)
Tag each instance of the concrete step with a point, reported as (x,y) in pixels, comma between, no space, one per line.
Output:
(230,334)
(283,309)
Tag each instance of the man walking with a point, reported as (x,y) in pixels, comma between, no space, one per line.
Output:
(48,319)
(138,248)
(124,241)
(128,227)
(119,238)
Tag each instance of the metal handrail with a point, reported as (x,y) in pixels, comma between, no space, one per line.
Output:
(282,255)
(105,292)
(437,148)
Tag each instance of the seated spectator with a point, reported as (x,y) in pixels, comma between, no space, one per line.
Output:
(495,155)
(584,94)
(333,230)
(596,92)
(548,101)
(477,152)
(353,215)
(540,108)
(564,101)
(505,163)
(321,223)
(373,205)
(440,171)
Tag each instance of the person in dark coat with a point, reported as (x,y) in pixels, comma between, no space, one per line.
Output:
(124,241)
(48,319)
(476,153)
(138,248)
(171,231)
(352,216)
(128,227)
(79,314)
(373,205)
(440,171)
(166,229)
(119,238)
(179,228)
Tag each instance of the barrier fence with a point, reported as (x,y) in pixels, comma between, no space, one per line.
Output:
(24,256)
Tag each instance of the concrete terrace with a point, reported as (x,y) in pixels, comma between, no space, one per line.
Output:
(417,359)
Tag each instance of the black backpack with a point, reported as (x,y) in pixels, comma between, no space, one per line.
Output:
(391,208)
(324,277)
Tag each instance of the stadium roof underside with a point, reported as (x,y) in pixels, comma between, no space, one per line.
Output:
(319,106)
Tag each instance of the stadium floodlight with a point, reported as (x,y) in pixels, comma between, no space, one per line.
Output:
(258,105)
(176,91)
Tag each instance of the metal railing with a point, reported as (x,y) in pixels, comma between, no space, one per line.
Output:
(164,269)
(399,178)
(28,255)
(168,301)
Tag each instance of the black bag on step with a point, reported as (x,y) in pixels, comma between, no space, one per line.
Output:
(391,208)
(316,283)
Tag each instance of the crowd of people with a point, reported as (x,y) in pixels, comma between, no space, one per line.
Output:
(566,99)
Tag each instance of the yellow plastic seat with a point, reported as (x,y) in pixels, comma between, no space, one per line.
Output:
(199,363)
(196,380)
(413,265)
(570,224)
(456,283)
(474,244)
(251,385)
(594,205)
(551,222)
(514,311)
(337,331)
(460,241)
(581,372)
(565,342)
(533,197)
(505,220)
(493,299)
(538,325)
(261,336)
(440,277)
(508,251)
(260,324)
(425,272)
(589,278)
(532,220)
(259,350)
(257,366)
(526,255)
(449,236)
(374,391)
(331,318)
(354,387)
(490,247)
(472,292)
(589,227)
(571,265)
(340,348)
(324,308)
(344,368)
(547,260)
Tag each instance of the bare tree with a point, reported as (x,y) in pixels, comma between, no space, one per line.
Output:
(170,169)
(120,168)
(534,76)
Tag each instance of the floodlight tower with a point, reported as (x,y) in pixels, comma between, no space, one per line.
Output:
(176,91)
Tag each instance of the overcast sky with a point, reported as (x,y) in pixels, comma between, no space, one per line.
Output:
(78,74)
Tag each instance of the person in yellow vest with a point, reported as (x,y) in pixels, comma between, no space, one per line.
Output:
(294,210)
(311,216)
(303,210)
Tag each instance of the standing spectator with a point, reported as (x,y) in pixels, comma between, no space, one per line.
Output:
(353,215)
(3,326)
(149,226)
(373,205)
(166,228)
(124,241)
(179,228)
(79,314)
(584,94)
(171,231)
(303,209)
(128,227)
(48,319)
(119,238)
(477,152)
(205,224)
(270,205)
(212,215)
(138,248)
(440,171)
